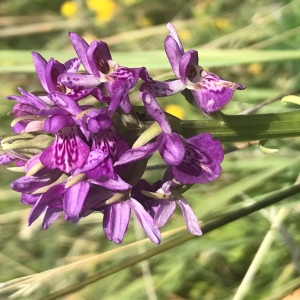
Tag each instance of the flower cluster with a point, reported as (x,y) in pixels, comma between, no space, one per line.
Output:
(81,158)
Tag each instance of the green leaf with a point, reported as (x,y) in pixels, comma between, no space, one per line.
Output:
(21,60)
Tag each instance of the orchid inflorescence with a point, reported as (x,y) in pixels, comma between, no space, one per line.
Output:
(81,158)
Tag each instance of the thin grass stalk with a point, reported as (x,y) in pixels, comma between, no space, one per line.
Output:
(260,255)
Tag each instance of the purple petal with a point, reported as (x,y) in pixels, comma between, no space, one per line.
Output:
(28,98)
(53,111)
(66,102)
(72,65)
(171,148)
(145,220)
(155,111)
(98,120)
(77,81)
(53,70)
(187,70)
(137,153)
(74,198)
(98,54)
(34,126)
(115,221)
(212,92)
(174,35)
(191,220)
(36,211)
(103,171)
(94,159)
(6,158)
(55,123)
(40,66)
(164,212)
(21,109)
(54,195)
(116,184)
(163,88)
(120,97)
(124,80)
(32,162)
(81,47)
(51,215)
(28,184)
(173,53)
(29,199)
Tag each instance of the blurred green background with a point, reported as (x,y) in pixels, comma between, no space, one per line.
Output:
(255,43)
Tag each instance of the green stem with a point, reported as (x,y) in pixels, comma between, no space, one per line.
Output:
(236,128)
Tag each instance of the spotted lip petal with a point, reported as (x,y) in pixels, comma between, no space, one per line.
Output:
(213,92)
(66,153)
(201,163)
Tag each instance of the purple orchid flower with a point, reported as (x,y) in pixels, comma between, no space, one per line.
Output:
(166,207)
(98,63)
(193,160)
(49,72)
(209,91)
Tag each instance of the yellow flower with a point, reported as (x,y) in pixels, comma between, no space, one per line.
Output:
(105,9)
(185,35)
(175,110)
(144,22)
(222,23)
(69,9)
(255,69)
